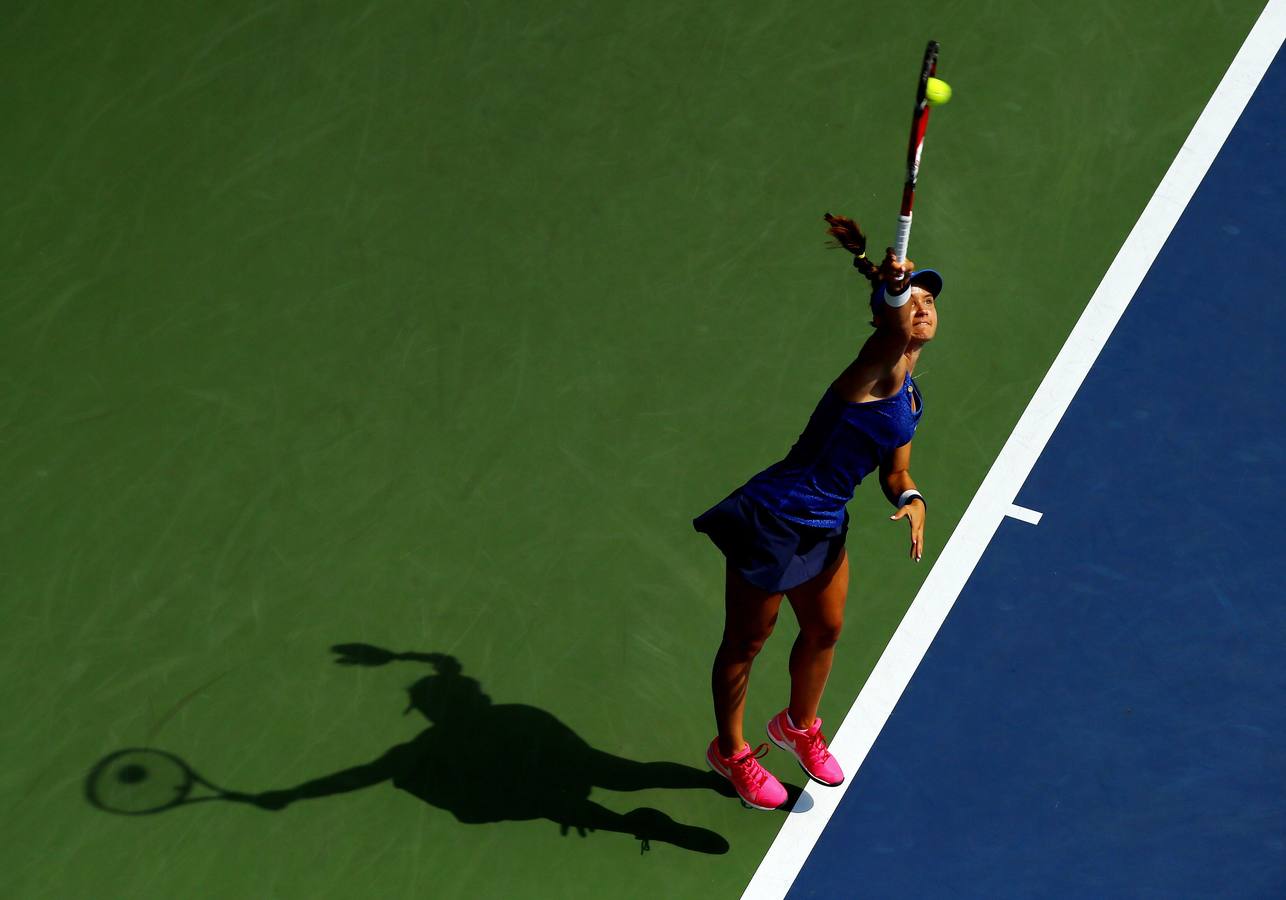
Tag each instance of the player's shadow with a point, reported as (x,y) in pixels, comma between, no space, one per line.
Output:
(487,762)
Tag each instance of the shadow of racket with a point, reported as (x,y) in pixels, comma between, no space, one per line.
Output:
(139,781)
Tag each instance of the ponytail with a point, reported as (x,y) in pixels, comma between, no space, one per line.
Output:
(848,234)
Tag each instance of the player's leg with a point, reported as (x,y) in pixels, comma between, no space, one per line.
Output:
(749,617)
(819,606)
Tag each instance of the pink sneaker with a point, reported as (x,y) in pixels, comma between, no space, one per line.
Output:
(809,747)
(755,785)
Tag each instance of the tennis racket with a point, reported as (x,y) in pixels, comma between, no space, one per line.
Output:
(919,124)
(140,781)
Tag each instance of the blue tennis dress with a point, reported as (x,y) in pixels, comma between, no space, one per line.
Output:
(787,523)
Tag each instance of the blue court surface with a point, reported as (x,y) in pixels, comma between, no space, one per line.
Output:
(1103,713)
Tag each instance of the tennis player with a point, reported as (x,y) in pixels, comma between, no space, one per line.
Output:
(783,530)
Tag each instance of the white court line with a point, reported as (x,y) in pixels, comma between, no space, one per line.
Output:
(1023,514)
(995,497)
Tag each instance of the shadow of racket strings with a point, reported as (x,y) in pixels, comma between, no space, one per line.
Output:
(140,781)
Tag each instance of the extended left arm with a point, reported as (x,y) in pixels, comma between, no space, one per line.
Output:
(895,479)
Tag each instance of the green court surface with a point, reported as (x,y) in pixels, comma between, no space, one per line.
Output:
(431,327)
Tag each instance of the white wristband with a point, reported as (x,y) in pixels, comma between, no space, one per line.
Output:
(908,496)
(896,300)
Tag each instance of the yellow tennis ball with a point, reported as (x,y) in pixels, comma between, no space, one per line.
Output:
(937,92)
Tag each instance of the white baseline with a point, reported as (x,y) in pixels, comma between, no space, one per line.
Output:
(889,678)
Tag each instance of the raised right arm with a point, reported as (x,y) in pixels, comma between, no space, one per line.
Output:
(878,369)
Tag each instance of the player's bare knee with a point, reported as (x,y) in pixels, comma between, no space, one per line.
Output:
(823,635)
(743,646)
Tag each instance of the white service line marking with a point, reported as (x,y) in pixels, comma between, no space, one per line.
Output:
(1023,514)
(893,671)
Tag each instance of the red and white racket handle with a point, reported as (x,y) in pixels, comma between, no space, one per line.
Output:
(903,237)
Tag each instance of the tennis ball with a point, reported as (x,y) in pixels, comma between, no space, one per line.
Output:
(937,92)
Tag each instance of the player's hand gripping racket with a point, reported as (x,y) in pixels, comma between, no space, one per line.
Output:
(919,124)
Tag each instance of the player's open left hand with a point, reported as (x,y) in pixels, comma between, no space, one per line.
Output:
(913,512)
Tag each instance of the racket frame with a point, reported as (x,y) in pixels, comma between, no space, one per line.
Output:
(915,149)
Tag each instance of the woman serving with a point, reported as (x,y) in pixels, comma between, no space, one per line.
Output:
(783,531)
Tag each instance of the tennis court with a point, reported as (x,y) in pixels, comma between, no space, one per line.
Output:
(365,367)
